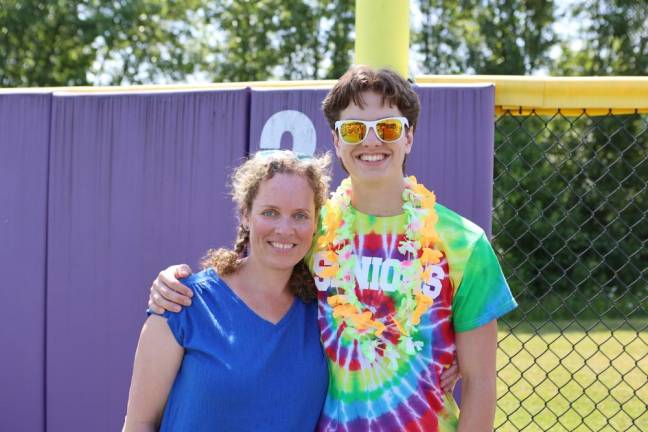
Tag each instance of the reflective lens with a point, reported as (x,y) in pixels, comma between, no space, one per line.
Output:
(387,129)
(353,132)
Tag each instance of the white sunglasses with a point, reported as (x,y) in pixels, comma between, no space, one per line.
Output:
(387,130)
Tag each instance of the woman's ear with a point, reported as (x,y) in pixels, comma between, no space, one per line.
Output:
(245,220)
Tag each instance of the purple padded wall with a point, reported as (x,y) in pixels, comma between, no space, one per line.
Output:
(453,143)
(453,148)
(136,183)
(24,136)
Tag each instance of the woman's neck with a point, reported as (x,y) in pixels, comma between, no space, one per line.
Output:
(263,290)
(268,282)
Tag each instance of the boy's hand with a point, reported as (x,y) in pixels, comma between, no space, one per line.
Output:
(167,293)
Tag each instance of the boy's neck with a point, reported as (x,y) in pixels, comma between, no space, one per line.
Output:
(384,199)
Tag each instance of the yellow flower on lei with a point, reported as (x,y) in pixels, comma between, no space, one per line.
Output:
(329,272)
(430,256)
(423,303)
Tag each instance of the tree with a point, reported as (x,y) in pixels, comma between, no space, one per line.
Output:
(64,42)
(144,41)
(485,37)
(614,39)
(441,40)
(265,39)
(289,39)
(338,18)
(44,43)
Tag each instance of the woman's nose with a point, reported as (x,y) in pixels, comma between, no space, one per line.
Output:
(284,226)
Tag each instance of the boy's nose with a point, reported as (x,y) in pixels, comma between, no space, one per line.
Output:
(371,139)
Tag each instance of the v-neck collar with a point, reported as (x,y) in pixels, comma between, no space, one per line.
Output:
(284,319)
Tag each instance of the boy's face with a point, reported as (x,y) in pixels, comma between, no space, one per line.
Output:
(373,161)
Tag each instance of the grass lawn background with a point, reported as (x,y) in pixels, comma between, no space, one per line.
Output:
(573,376)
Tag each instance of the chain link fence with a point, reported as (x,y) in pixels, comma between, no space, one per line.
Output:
(570,225)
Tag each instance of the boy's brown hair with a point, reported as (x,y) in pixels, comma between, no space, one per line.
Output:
(395,91)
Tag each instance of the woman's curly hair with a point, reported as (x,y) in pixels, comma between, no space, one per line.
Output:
(245,182)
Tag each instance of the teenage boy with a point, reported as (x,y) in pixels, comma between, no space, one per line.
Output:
(405,285)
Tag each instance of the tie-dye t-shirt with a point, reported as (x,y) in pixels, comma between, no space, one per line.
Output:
(402,393)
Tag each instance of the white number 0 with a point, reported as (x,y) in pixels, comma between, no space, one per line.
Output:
(297,124)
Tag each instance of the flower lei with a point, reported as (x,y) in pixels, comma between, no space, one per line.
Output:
(418,246)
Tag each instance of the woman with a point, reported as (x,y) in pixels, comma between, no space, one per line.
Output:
(250,341)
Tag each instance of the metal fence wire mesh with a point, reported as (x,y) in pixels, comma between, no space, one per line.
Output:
(570,225)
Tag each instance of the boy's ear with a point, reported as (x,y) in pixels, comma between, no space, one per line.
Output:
(336,142)
(409,136)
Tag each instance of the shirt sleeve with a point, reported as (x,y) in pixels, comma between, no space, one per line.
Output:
(483,294)
(183,323)
(179,324)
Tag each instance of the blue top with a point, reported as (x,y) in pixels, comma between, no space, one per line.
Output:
(240,372)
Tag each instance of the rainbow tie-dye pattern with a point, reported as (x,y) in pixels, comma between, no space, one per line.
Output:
(402,392)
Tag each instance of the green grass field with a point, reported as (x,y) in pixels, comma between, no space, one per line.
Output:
(583,376)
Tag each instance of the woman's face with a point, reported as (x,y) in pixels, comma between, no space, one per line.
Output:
(282,222)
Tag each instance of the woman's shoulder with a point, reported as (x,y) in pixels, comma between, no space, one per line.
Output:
(203,281)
